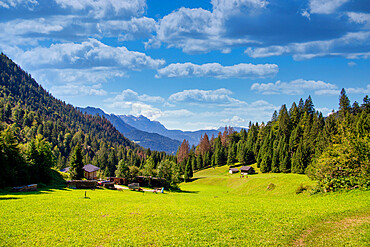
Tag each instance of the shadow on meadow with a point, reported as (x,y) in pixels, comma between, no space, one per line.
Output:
(41,190)
(185,191)
(8,198)
(194,179)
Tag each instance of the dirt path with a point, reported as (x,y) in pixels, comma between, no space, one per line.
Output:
(325,230)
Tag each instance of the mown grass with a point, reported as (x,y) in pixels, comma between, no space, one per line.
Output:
(215,209)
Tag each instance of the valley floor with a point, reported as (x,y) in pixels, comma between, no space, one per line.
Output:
(216,209)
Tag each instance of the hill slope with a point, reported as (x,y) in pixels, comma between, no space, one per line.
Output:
(28,110)
(206,212)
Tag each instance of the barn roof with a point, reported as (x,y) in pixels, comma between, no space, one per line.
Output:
(246,168)
(65,169)
(90,168)
(234,169)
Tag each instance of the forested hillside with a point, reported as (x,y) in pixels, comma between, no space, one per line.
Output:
(334,150)
(38,131)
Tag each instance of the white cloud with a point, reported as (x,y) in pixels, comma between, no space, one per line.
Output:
(197,30)
(295,87)
(365,90)
(350,90)
(196,96)
(128,30)
(308,50)
(106,8)
(78,90)
(77,76)
(91,53)
(325,6)
(234,121)
(360,18)
(21,26)
(218,71)
(130,95)
(30,4)
(325,111)
(351,64)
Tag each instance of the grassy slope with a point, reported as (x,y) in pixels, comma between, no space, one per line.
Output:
(215,209)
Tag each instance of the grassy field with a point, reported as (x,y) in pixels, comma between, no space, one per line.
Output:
(216,209)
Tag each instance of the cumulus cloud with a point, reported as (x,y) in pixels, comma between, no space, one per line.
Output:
(356,42)
(218,71)
(106,8)
(130,95)
(350,90)
(136,28)
(360,18)
(196,96)
(234,121)
(30,4)
(325,6)
(235,23)
(292,88)
(198,30)
(91,53)
(78,90)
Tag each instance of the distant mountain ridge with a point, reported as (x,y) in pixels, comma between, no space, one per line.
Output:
(145,124)
(154,141)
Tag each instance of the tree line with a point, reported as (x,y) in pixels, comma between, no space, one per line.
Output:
(333,149)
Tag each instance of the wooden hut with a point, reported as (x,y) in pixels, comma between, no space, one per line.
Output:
(90,172)
(233,170)
(245,170)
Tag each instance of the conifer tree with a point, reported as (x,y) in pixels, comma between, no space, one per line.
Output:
(344,104)
(75,164)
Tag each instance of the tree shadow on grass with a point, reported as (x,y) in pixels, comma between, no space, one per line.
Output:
(41,190)
(8,198)
(185,191)
(194,179)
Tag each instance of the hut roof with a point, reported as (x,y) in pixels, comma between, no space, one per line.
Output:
(65,169)
(90,168)
(234,169)
(246,168)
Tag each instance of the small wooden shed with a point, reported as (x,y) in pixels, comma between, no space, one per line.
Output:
(245,170)
(90,172)
(233,170)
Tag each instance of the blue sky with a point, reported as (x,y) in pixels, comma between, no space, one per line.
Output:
(192,64)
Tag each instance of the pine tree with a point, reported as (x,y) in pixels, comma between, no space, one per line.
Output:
(344,105)
(183,151)
(75,164)
(308,106)
(298,165)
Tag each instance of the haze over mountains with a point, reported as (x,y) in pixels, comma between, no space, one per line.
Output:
(151,134)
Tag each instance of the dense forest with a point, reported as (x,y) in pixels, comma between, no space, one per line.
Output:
(334,150)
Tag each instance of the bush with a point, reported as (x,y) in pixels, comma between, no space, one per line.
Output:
(301,188)
(271,186)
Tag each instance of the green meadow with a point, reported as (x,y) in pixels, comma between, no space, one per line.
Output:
(215,209)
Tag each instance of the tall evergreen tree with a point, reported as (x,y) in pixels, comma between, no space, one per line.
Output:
(75,164)
(344,104)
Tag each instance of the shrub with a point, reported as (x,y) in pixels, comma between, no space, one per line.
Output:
(301,188)
(271,186)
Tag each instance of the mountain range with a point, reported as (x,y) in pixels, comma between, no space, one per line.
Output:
(152,134)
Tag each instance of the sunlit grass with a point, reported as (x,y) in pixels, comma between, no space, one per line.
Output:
(215,209)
